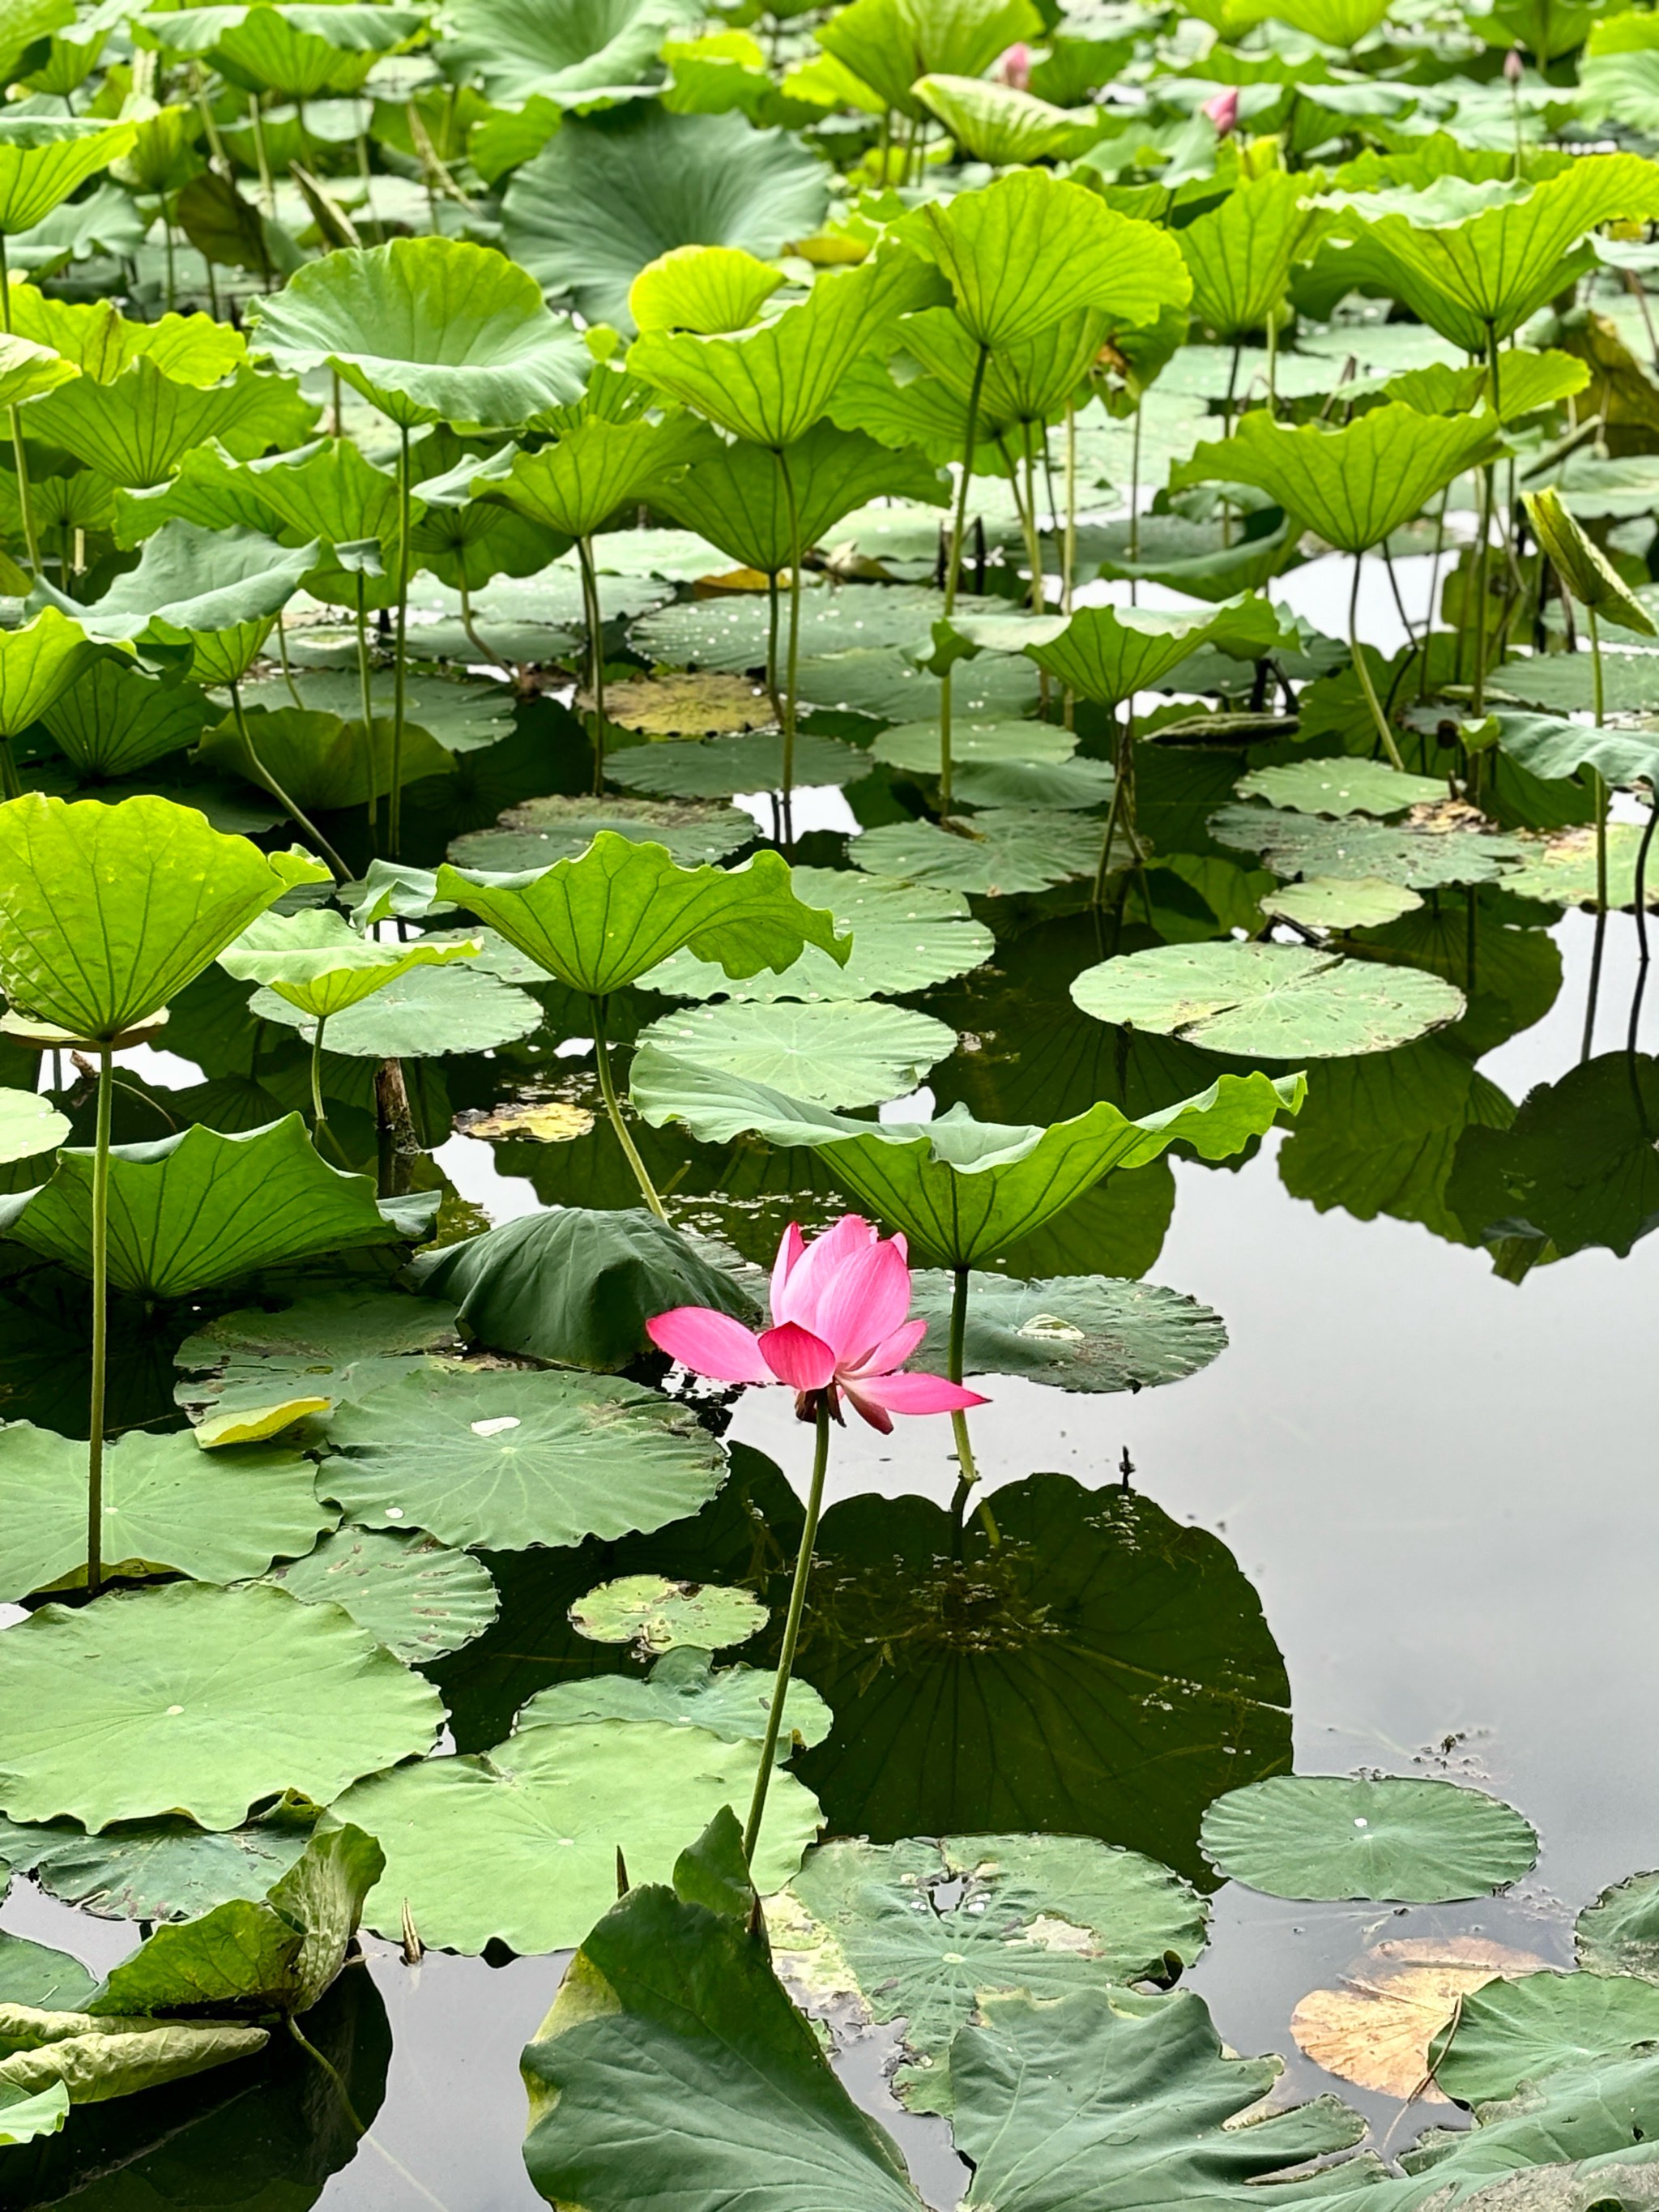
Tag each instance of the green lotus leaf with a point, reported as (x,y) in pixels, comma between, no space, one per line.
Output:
(247,1959)
(29,1125)
(25,2115)
(686,1688)
(1138,2102)
(1619,1933)
(187,1698)
(904,939)
(1390,1840)
(598,467)
(1511,2032)
(427,1011)
(321,1347)
(1332,902)
(31,1974)
(698,2037)
(165,1869)
(836,1053)
(1527,382)
(1207,560)
(576,1285)
(207,488)
(199,1208)
(320,964)
(1072,786)
(1356,849)
(304,52)
(1108,653)
(720,768)
(928,413)
(994,854)
(429,329)
(653,1613)
(1475,261)
(520,1843)
(107,911)
(1029,249)
(90,2059)
(888,43)
(1550,746)
(600,922)
(1080,1332)
(136,429)
(1354,486)
(996,124)
(27,370)
(1581,564)
(545,831)
(329,490)
(511,1460)
(518,50)
(319,760)
(723,634)
(38,664)
(961,1190)
(706,288)
(1241,254)
(738,497)
(1341,787)
(414,1596)
(924,1930)
(166,1505)
(769,385)
(217,591)
(611,194)
(1025,383)
(45,158)
(101,342)
(113,719)
(1263,1001)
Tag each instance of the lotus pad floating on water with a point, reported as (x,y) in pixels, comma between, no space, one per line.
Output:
(1396,1840)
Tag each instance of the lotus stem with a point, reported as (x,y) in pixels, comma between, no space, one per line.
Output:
(288,672)
(319,1119)
(267,189)
(792,673)
(594,620)
(484,651)
(399,677)
(10,783)
(99,1321)
(967,1465)
(959,527)
(1642,913)
(791,1628)
(1365,674)
(26,506)
(366,689)
(772,693)
(613,1108)
(167,234)
(342,874)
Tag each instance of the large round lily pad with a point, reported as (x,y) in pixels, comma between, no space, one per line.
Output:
(426,1012)
(921,1929)
(196,1700)
(544,830)
(1396,1840)
(915,745)
(720,768)
(320,1347)
(842,1054)
(655,1613)
(1421,855)
(1082,1332)
(1340,903)
(1267,1001)
(905,936)
(1511,2032)
(412,1592)
(686,1688)
(168,1870)
(217,1518)
(520,1845)
(1343,786)
(1619,1933)
(521,1458)
(991,855)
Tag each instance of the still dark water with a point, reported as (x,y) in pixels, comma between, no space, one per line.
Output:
(1441,1486)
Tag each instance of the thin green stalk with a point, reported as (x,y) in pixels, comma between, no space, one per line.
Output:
(25,504)
(772,610)
(288,672)
(267,189)
(99,1321)
(594,621)
(303,820)
(1365,674)
(366,693)
(959,527)
(792,670)
(399,677)
(480,645)
(1483,550)
(1598,784)
(319,1118)
(1028,516)
(791,1628)
(11,786)
(613,1108)
(1642,956)
(167,234)
(967,1465)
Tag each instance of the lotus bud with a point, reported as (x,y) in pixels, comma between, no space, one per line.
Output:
(1223,110)
(1512,66)
(1014,67)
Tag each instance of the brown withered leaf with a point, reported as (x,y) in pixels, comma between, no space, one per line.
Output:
(1374,2030)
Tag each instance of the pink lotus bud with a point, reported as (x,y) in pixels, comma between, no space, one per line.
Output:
(1512,65)
(1014,67)
(1222,110)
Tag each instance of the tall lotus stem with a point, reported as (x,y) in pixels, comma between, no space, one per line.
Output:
(319,1118)
(959,527)
(399,676)
(1383,729)
(263,775)
(25,504)
(99,1321)
(267,189)
(1599,800)
(792,664)
(613,1108)
(366,691)
(791,1628)
(593,621)
(1641,913)
(967,1465)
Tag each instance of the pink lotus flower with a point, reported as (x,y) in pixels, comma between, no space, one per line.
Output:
(1223,110)
(839,1325)
(1014,67)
